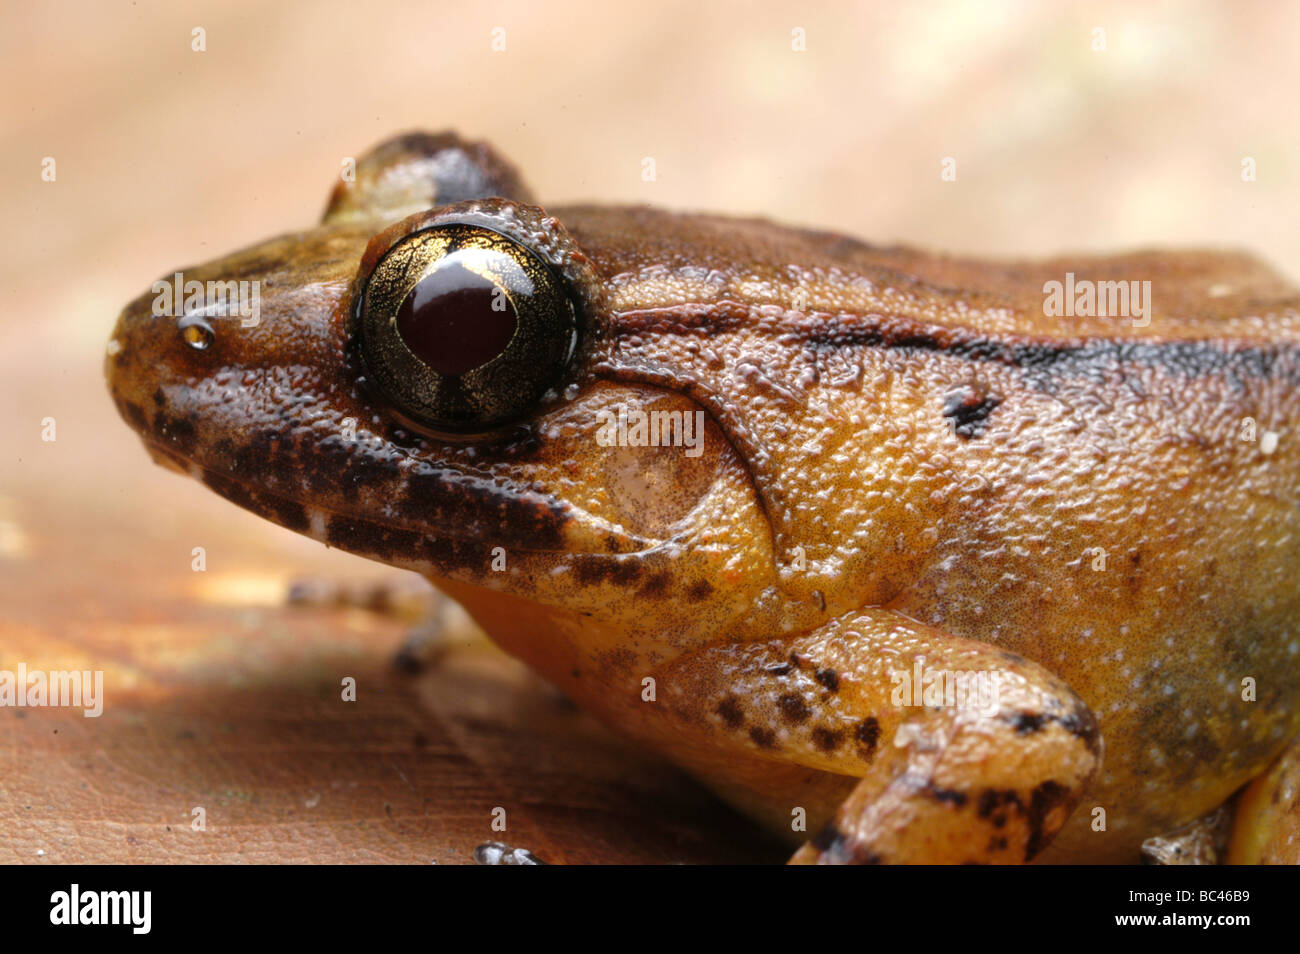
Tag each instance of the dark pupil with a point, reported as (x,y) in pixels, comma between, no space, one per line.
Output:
(449,323)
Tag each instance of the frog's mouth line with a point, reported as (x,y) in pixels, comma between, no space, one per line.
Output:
(398,544)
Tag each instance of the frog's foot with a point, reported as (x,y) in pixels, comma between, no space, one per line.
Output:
(444,628)
(1266,829)
(403,596)
(1202,842)
(963,752)
(425,646)
(499,853)
(437,622)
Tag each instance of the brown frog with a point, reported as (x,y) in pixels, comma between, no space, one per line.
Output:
(912,558)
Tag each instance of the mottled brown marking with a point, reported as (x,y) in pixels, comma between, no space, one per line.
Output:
(950,795)
(827,740)
(287,513)
(700,591)
(732,713)
(793,708)
(968,410)
(1027,722)
(656,585)
(867,734)
(1045,798)
(992,799)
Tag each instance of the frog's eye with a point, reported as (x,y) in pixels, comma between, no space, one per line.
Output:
(463,329)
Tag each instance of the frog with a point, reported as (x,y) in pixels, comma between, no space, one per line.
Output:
(888,549)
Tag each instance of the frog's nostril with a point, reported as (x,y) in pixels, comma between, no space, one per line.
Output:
(196,332)
(141,352)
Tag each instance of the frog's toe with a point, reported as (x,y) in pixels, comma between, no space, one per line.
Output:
(445,628)
(1202,842)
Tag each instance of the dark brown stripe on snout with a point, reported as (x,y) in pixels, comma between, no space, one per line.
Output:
(441,501)
(508,516)
(287,513)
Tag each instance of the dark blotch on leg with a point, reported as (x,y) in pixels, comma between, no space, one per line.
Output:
(1082,724)
(731,712)
(793,708)
(949,795)
(1027,722)
(657,585)
(826,739)
(992,799)
(868,734)
(700,591)
(1045,798)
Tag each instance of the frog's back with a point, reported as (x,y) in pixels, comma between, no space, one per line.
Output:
(1116,496)
(652,257)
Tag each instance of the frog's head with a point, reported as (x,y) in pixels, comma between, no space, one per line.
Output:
(444,377)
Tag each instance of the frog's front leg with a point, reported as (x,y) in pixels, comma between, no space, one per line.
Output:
(963,752)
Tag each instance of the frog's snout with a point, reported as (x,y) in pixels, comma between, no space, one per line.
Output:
(126,369)
(149,358)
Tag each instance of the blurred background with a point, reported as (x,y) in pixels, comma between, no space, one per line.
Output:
(1089,126)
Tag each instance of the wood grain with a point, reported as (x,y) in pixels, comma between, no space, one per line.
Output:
(217,697)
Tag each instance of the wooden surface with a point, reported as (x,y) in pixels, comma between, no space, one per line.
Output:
(220,696)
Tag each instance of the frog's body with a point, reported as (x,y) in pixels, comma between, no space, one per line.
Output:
(905,467)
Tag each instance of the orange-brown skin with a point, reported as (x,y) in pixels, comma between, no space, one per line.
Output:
(1267,828)
(904,459)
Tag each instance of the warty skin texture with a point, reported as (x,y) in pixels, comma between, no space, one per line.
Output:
(904,458)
